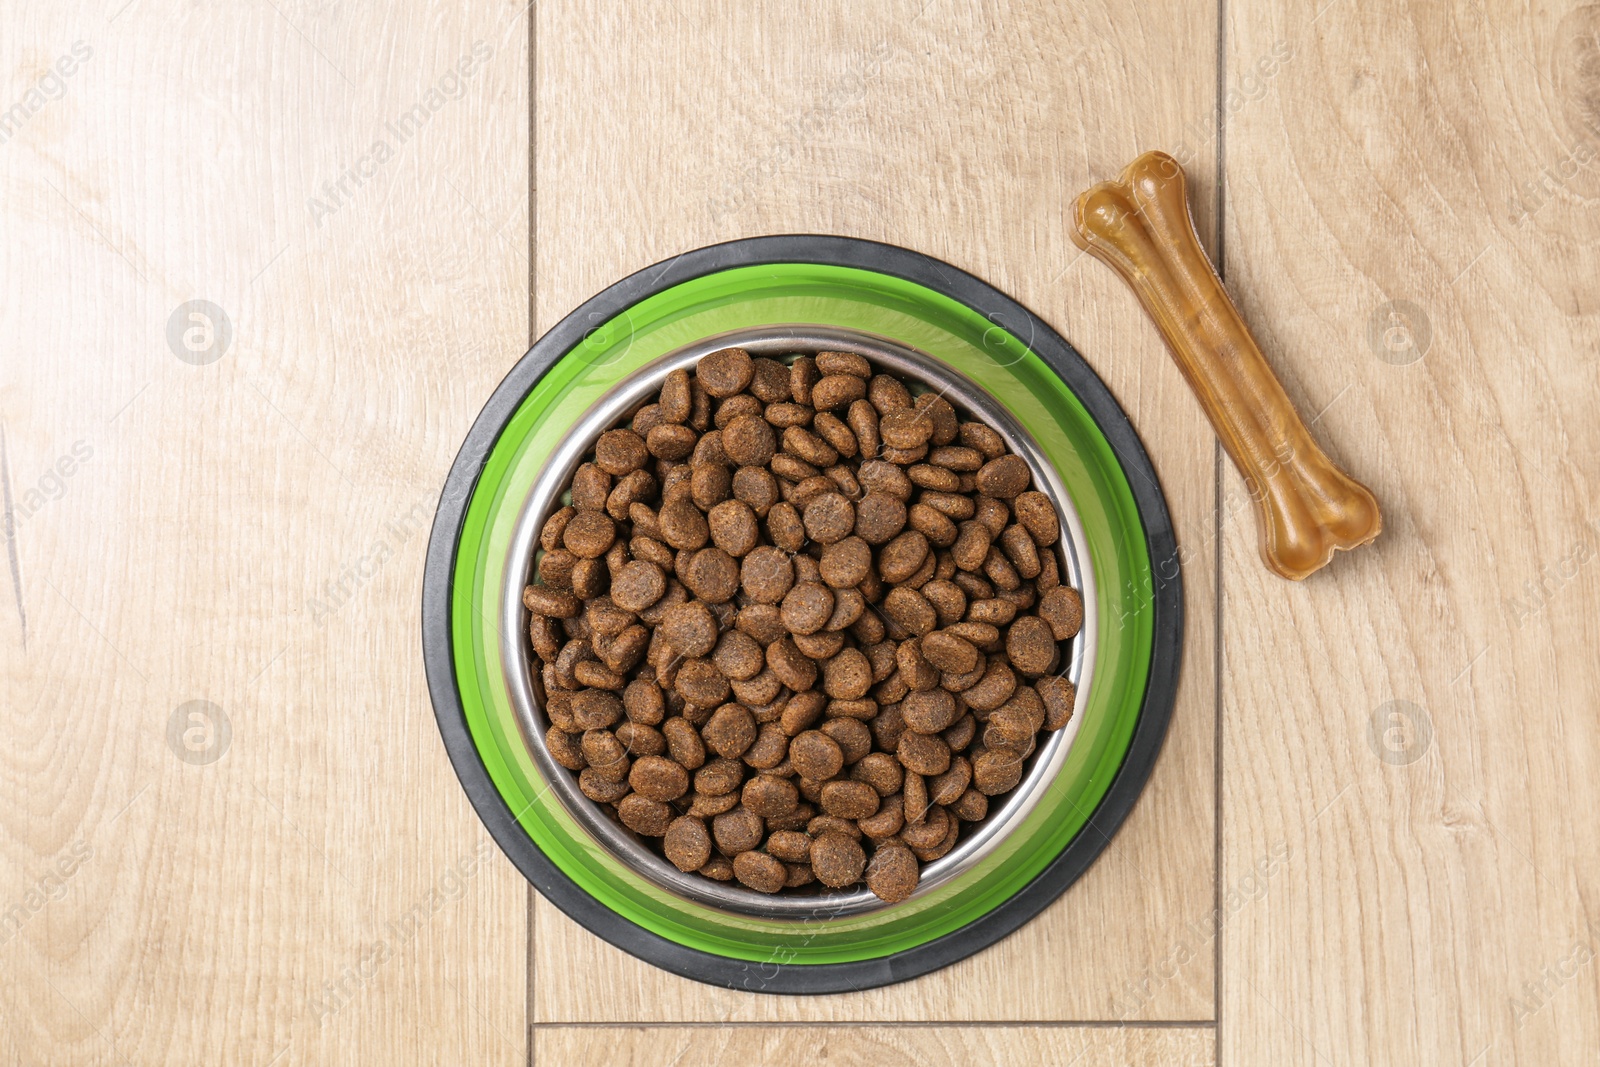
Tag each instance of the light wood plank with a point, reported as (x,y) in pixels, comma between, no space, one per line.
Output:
(962,132)
(277,904)
(879,1046)
(1426,897)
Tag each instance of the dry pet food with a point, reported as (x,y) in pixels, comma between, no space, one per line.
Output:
(799,624)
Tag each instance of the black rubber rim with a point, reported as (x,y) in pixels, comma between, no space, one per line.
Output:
(1166,602)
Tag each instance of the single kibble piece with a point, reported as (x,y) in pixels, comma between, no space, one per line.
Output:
(687,844)
(893,873)
(1062,608)
(759,871)
(726,372)
(837,859)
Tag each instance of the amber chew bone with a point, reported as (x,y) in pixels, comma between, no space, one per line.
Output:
(1307,507)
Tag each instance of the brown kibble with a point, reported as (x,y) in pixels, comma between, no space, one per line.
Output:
(956,458)
(793,668)
(846,564)
(771,746)
(1017,544)
(712,575)
(910,612)
(619,451)
(595,709)
(881,771)
(785,528)
(675,398)
(638,586)
(925,754)
(844,363)
(682,524)
(879,476)
(999,681)
(554,527)
(905,428)
(1030,644)
(879,516)
(849,799)
(1035,512)
(564,749)
(643,701)
(807,607)
(897,597)
(718,777)
(836,391)
(1005,477)
(739,656)
(710,484)
(671,441)
(950,653)
(759,871)
(690,628)
(985,439)
(599,788)
(687,844)
(718,868)
(893,873)
(701,684)
(770,796)
(847,676)
(816,755)
(970,806)
(800,712)
(730,731)
(902,557)
(646,817)
(590,487)
(734,527)
(790,846)
(929,711)
(948,787)
(889,819)
(603,752)
(852,735)
(658,778)
(766,574)
(589,534)
(769,381)
(725,372)
(887,393)
(1062,609)
(1059,696)
(945,423)
(802,377)
(837,859)
(757,487)
(552,603)
(829,517)
(704,806)
(749,441)
(737,831)
(996,772)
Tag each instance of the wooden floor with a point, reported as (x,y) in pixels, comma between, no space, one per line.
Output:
(228,829)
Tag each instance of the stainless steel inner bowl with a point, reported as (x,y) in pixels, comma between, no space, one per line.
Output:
(921,371)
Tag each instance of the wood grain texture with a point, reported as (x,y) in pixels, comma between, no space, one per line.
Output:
(879,1046)
(963,132)
(307,884)
(1437,903)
